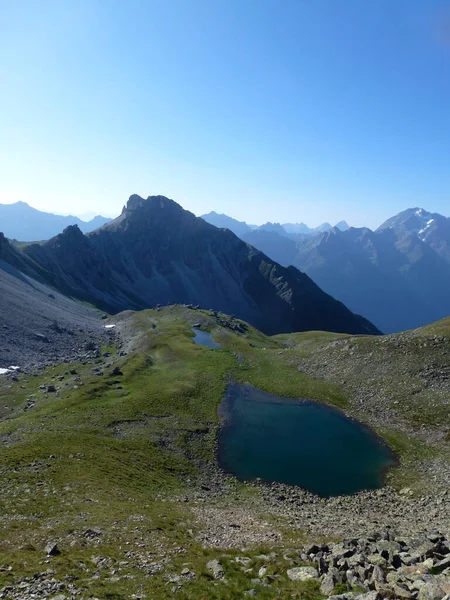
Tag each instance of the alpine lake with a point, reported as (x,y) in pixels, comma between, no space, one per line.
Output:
(297,442)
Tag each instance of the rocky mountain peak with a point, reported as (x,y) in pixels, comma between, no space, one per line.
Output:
(136,203)
(342,225)
(274,228)
(72,231)
(412,220)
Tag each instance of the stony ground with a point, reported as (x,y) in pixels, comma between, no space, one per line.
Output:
(110,489)
(39,325)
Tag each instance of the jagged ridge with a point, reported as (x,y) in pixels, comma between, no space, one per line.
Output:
(158,253)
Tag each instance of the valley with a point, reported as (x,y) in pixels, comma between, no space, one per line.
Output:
(114,462)
(198,406)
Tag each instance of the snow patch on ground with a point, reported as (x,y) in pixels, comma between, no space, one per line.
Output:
(109,326)
(8,370)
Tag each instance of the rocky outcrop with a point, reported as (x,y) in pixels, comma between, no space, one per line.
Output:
(385,565)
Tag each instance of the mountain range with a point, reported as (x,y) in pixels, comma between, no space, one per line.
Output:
(157,253)
(22,222)
(397,276)
(293,230)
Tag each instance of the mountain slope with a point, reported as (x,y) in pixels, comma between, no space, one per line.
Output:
(158,253)
(225,222)
(114,460)
(22,222)
(398,276)
(280,248)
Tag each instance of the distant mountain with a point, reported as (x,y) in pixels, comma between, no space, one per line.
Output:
(302,229)
(322,228)
(294,230)
(342,225)
(280,248)
(273,228)
(398,276)
(158,253)
(297,228)
(22,222)
(225,222)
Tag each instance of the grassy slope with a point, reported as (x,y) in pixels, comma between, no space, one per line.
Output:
(112,453)
(397,384)
(108,458)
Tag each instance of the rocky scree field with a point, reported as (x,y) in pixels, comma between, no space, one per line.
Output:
(110,488)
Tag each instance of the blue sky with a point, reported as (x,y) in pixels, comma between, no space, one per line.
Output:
(302,110)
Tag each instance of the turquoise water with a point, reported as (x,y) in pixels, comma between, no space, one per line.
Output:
(298,442)
(203,338)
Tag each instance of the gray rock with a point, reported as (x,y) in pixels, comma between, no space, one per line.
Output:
(378,575)
(431,591)
(302,573)
(328,585)
(424,550)
(52,549)
(376,559)
(215,568)
(400,592)
(442,564)
(92,533)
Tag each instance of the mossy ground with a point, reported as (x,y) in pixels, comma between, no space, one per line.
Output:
(113,452)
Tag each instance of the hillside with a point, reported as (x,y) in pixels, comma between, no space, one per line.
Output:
(157,253)
(22,222)
(110,487)
(397,276)
(406,262)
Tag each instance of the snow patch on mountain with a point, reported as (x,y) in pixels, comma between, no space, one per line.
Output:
(427,226)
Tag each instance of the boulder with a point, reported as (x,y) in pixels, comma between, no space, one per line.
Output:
(302,573)
(52,549)
(328,585)
(215,568)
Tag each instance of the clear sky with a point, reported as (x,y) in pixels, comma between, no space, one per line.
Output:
(280,110)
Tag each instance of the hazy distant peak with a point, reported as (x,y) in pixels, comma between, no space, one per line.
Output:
(274,228)
(323,227)
(297,228)
(225,222)
(342,225)
(22,222)
(412,220)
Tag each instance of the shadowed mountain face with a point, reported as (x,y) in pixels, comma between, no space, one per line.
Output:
(20,221)
(158,253)
(398,276)
(280,248)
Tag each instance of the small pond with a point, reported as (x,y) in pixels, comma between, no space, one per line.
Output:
(298,442)
(203,338)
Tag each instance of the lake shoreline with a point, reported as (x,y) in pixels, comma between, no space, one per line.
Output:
(247,393)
